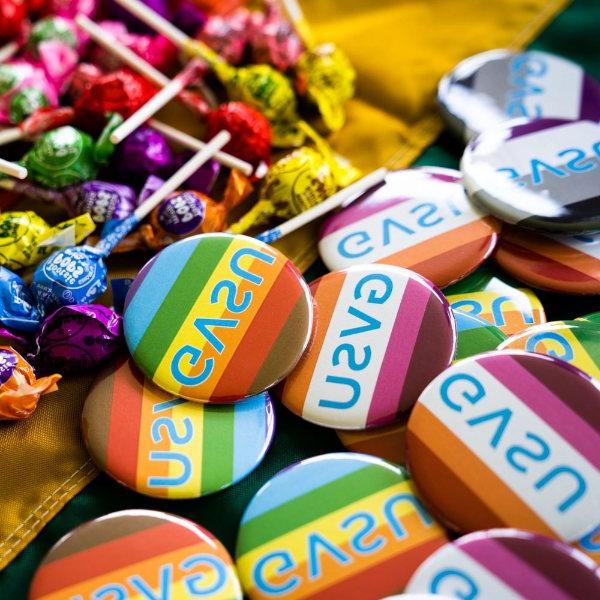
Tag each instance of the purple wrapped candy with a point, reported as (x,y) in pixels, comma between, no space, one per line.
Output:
(144,152)
(15,340)
(103,200)
(133,23)
(203,179)
(189,18)
(75,338)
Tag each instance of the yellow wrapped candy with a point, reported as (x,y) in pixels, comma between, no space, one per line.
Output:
(326,76)
(25,238)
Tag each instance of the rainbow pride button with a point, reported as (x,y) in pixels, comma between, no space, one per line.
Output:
(419,219)
(136,554)
(168,447)
(592,317)
(383,442)
(514,436)
(569,264)
(590,544)
(507,564)
(576,342)
(334,526)
(381,334)
(217,318)
(475,335)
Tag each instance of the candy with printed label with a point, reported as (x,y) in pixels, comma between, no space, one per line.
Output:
(137,553)
(475,335)
(218,317)
(569,264)
(514,436)
(507,564)
(420,220)
(381,334)
(338,526)
(541,174)
(167,447)
(492,87)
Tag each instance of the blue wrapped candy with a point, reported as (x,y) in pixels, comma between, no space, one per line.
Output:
(17,305)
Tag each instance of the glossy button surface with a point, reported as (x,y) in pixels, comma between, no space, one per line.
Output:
(137,554)
(168,447)
(419,219)
(514,436)
(492,87)
(475,335)
(507,564)
(540,174)
(304,534)
(576,342)
(217,317)
(381,334)
(569,264)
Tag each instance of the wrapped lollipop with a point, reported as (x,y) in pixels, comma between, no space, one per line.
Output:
(12,15)
(260,86)
(70,8)
(145,152)
(40,121)
(78,275)
(20,389)
(13,169)
(25,238)
(102,200)
(76,338)
(17,305)
(227,35)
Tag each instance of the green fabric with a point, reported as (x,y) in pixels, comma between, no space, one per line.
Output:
(574,34)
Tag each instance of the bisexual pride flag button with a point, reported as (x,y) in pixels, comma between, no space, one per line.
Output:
(137,554)
(507,564)
(514,438)
(381,334)
(168,447)
(542,174)
(339,525)
(420,219)
(492,87)
(217,318)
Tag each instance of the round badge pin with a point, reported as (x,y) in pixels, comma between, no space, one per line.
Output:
(383,442)
(539,174)
(506,308)
(592,317)
(489,88)
(420,220)
(137,554)
(576,342)
(514,436)
(217,318)
(381,334)
(168,447)
(590,544)
(507,564)
(569,264)
(475,335)
(339,525)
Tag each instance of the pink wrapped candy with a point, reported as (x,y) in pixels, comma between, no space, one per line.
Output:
(71,8)
(227,35)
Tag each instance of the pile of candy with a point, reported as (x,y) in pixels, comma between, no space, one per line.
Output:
(494,411)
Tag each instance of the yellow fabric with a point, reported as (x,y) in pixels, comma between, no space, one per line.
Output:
(400,49)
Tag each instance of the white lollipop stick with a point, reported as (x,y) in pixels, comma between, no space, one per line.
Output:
(341,198)
(160,99)
(10,134)
(176,135)
(8,50)
(107,40)
(12,169)
(296,16)
(155,21)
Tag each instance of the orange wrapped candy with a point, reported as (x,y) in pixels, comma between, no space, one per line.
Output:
(20,389)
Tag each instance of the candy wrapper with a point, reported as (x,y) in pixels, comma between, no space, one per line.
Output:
(102,200)
(326,77)
(145,152)
(189,18)
(121,14)
(183,214)
(20,389)
(77,338)
(17,305)
(54,28)
(25,238)
(12,15)
(82,79)
(251,134)
(227,35)
(71,8)
(203,179)
(15,340)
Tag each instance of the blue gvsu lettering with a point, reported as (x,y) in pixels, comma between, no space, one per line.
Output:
(460,392)
(525,78)
(349,356)
(279,572)
(201,576)
(225,292)
(454,583)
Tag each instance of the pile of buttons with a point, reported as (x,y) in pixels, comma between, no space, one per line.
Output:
(472,424)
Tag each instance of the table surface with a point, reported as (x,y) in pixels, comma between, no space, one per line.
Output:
(573,34)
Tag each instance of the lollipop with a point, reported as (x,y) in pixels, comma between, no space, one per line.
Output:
(103,200)
(12,15)
(78,275)
(145,152)
(54,28)
(25,238)
(12,169)
(227,35)
(17,306)
(41,120)
(20,389)
(75,338)
(70,8)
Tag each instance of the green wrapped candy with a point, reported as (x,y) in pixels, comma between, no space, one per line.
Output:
(25,102)
(52,28)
